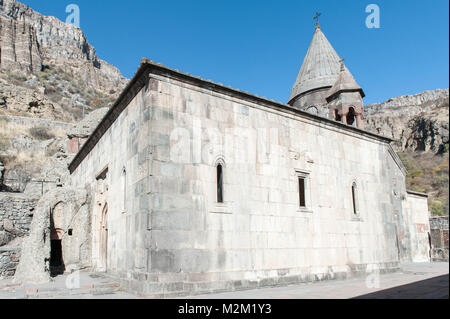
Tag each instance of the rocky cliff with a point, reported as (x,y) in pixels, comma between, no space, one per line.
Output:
(53,59)
(418,122)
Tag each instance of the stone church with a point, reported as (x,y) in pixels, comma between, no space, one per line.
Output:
(190,186)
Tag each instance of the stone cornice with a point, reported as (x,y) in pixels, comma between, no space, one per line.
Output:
(417,194)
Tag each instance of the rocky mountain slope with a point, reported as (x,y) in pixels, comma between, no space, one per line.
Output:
(48,69)
(420,125)
(50,75)
(418,122)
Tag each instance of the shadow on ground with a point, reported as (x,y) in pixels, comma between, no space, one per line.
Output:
(434,288)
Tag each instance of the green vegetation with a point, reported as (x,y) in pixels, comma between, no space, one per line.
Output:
(16,78)
(45,75)
(428,173)
(41,133)
(438,207)
(4,143)
(59,83)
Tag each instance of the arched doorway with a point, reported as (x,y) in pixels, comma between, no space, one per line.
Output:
(57,266)
(104,239)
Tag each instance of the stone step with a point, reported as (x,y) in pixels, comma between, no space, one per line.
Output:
(98,290)
(103,286)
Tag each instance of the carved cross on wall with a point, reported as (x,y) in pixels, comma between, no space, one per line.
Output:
(316,17)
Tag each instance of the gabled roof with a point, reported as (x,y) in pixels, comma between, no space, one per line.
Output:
(320,68)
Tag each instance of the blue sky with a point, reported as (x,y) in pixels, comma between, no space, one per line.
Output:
(258,46)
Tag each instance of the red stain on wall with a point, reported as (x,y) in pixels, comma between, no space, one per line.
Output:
(422,228)
(73,145)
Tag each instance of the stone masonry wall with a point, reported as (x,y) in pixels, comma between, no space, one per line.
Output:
(16,214)
(439,238)
(166,231)
(9,259)
(30,121)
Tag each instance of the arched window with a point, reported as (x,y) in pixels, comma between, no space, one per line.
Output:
(220,183)
(355,199)
(351,116)
(337,117)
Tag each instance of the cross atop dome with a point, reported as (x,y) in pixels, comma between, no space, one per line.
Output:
(316,17)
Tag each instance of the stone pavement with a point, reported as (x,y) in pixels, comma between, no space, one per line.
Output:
(84,286)
(423,280)
(429,275)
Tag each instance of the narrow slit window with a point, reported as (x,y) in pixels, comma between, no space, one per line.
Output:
(355,209)
(219,183)
(124,189)
(301,189)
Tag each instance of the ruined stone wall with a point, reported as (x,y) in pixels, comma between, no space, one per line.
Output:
(36,122)
(9,259)
(16,213)
(166,231)
(439,238)
(61,214)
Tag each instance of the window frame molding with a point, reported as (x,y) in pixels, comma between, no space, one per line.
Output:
(216,207)
(306,176)
(220,198)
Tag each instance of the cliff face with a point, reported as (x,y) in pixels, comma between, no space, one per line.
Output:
(29,39)
(418,122)
(49,74)
(19,47)
(50,65)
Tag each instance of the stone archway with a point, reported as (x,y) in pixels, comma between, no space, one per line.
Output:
(57,266)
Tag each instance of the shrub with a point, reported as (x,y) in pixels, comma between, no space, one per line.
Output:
(45,75)
(96,102)
(4,143)
(438,207)
(41,133)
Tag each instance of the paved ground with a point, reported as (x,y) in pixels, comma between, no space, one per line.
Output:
(360,287)
(425,280)
(83,286)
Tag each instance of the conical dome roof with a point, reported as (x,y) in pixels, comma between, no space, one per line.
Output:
(320,68)
(344,83)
